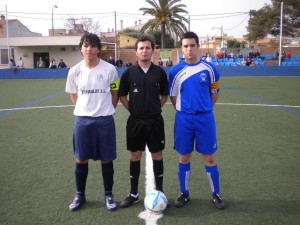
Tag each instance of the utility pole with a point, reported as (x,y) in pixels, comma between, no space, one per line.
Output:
(280,36)
(54,6)
(116,36)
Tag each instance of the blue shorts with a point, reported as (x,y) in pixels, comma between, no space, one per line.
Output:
(94,138)
(195,130)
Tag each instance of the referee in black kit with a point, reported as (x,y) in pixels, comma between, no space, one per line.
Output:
(147,86)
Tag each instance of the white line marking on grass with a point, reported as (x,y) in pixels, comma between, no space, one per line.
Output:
(268,105)
(38,107)
(150,218)
(168,103)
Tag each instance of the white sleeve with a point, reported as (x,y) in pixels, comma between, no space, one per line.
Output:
(114,75)
(71,86)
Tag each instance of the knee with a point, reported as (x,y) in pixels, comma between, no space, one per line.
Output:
(184,159)
(209,160)
(135,157)
(157,156)
(78,161)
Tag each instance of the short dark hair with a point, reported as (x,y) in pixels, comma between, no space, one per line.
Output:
(190,35)
(91,39)
(143,38)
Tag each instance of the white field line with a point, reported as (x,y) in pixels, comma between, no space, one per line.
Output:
(150,218)
(38,107)
(265,105)
(168,103)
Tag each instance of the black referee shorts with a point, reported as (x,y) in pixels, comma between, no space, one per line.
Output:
(141,131)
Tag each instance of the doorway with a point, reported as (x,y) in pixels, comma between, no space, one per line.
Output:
(45,57)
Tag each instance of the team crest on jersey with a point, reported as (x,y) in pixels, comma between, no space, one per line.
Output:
(203,77)
(99,76)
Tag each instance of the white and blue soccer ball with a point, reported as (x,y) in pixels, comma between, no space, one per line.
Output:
(156,201)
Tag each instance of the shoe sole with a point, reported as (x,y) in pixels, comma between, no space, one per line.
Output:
(126,206)
(180,206)
(78,207)
(112,209)
(217,206)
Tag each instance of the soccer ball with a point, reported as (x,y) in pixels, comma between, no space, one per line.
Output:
(156,201)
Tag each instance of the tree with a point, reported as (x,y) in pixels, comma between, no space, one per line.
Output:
(166,18)
(267,20)
(235,44)
(83,25)
(130,32)
(169,41)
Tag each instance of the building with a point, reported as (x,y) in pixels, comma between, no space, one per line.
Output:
(21,42)
(16,29)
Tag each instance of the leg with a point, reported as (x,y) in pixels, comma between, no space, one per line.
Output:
(212,173)
(135,168)
(213,177)
(184,170)
(108,176)
(158,170)
(81,173)
(108,181)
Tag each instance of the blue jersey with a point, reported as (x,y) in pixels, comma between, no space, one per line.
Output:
(193,85)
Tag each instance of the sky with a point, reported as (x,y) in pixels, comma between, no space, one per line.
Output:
(206,17)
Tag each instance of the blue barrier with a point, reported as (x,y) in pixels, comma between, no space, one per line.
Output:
(259,71)
(224,71)
(34,73)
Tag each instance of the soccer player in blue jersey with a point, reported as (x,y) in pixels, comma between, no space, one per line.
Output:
(194,89)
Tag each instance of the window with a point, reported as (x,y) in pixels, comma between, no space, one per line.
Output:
(3,56)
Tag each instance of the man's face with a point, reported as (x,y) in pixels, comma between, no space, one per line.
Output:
(144,51)
(89,51)
(189,48)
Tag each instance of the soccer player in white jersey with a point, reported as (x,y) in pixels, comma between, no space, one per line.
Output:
(194,89)
(89,84)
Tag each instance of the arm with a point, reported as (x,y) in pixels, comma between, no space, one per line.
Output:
(73,97)
(214,98)
(163,100)
(173,100)
(125,102)
(115,98)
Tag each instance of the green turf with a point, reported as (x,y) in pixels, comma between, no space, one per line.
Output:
(258,159)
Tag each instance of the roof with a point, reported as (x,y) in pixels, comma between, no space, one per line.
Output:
(45,41)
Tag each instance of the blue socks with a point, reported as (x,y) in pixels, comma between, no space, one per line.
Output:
(184,171)
(213,177)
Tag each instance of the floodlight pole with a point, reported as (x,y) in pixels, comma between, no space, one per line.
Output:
(116,36)
(7,34)
(54,6)
(222,38)
(280,36)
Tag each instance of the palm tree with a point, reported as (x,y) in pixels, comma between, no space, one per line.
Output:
(166,18)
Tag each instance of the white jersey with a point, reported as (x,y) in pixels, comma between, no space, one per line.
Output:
(93,88)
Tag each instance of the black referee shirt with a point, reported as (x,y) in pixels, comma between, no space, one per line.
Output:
(144,90)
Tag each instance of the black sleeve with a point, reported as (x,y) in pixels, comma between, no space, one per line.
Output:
(124,84)
(164,83)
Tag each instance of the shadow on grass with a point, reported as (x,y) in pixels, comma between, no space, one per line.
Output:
(203,207)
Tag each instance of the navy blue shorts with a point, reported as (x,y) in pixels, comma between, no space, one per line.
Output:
(195,131)
(94,138)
